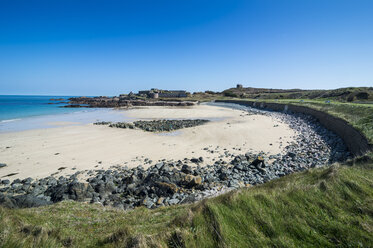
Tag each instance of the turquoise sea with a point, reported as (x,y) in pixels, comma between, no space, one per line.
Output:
(20,112)
(16,107)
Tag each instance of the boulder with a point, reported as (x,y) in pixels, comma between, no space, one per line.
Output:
(191,181)
(7,201)
(80,191)
(186,169)
(291,154)
(159,165)
(167,188)
(160,200)
(194,160)
(22,201)
(29,201)
(5,182)
(258,162)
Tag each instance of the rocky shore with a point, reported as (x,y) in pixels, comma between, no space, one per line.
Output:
(175,182)
(156,125)
(118,102)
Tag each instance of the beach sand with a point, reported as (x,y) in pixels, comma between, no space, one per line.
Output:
(39,153)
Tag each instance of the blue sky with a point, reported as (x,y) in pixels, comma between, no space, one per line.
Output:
(74,47)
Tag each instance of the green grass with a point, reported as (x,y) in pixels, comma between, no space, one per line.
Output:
(360,116)
(320,208)
(350,94)
(82,225)
(327,207)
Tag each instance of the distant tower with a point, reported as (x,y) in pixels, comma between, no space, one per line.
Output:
(239,86)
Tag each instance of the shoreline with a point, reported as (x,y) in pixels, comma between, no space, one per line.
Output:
(169,181)
(79,117)
(81,147)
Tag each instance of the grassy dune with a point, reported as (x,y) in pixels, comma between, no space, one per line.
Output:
(320,208)
(350,94)
(327,207)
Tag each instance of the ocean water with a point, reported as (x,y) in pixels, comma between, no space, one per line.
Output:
(17,107)
(18,113)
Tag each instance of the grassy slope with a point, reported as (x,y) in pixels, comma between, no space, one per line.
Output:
(358,115)
(322,207)
(350,94)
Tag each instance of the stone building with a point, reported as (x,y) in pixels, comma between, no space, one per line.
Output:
(156,93)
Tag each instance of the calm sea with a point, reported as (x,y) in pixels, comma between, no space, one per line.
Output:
(19,113)
(18,107)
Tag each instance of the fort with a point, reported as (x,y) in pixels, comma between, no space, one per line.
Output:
(157,93)
(142,98)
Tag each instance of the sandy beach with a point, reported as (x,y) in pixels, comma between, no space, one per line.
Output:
(67,148)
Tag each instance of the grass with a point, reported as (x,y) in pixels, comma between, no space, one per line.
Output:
(350,94)
(360,116)
(327,207)
(78,224)
(321,208)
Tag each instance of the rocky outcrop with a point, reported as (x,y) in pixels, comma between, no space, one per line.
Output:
(156,125)
(116,102)
(57,99)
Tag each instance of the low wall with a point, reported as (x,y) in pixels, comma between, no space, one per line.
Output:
(354,140)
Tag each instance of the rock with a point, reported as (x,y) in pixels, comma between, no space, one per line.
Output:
(110,187)
(22,201)
(291,154)
(239,167)
(147,202)
(167,188)
(2,165)
(197,180)
(194,160)
(159,165)
(29,201)
(186,169)
(259,161)
(158,125)
(37,190)
(27,180)
(165,168)
(16,181)
(235,184)
(57,192)
(173,201)
(192,181)
(160,200)
(7,201)
(223,176)
(52,181)
(5,182)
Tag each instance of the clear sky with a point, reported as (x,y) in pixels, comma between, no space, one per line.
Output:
(73,47)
